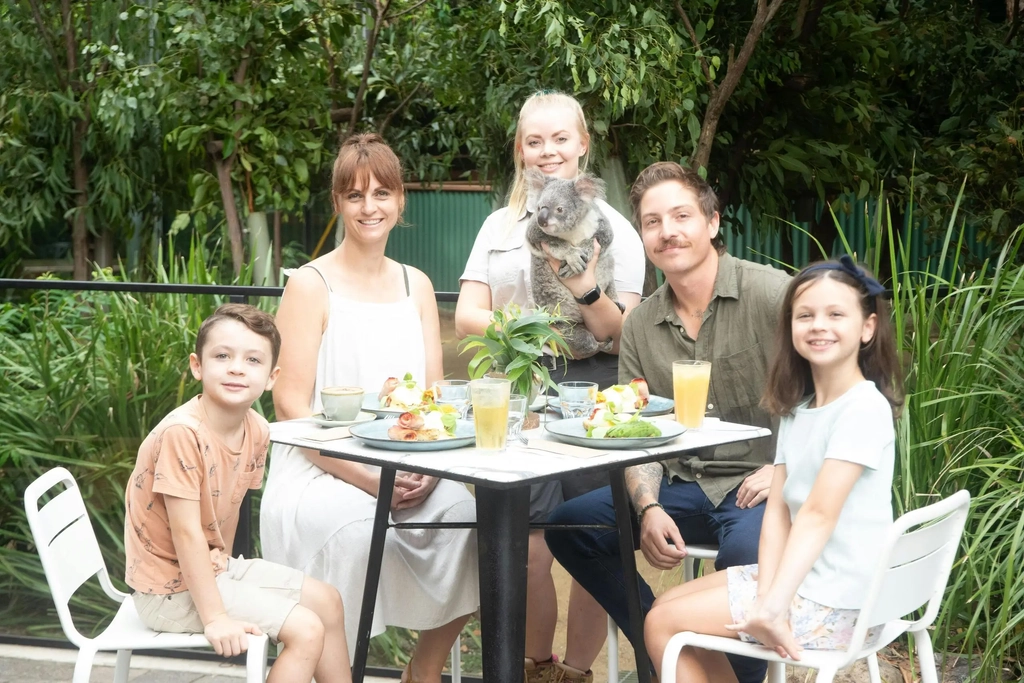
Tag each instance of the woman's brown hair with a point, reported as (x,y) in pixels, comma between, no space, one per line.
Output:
(361,156)
(789,378)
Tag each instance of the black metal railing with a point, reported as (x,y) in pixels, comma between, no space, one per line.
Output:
(243,536)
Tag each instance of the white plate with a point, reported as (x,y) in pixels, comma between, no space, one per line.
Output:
(324,422)
(572,431)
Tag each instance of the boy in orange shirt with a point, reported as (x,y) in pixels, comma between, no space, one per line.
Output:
(182,510)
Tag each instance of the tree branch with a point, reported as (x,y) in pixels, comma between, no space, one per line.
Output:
(48,43)
(407,10)
(1014,21)
(371,45)
(696,44)
(718,99)
(401,105)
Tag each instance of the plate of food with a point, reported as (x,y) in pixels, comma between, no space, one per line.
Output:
(627,398)
(605,429)
(398,396)
(429,428)
(363,416)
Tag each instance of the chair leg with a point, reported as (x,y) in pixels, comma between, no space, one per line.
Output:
(256,659)
(873,672)
(688,568)
(925,657)
(776,672)
(670,660)
(613,651)
(83,666)
(124,663)
(825,676)
(457,660)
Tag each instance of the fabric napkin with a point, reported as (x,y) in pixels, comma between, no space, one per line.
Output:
(331,434)
(564,449)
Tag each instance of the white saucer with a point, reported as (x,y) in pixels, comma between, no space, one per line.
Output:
(324,422)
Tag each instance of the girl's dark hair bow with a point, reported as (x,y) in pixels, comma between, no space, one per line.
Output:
(872,286)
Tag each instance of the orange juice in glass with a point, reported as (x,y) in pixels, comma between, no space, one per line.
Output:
(690,379)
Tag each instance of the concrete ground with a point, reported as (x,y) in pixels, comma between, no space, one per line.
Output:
(25,664)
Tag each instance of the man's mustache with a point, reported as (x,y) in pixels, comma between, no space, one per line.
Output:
(673,243)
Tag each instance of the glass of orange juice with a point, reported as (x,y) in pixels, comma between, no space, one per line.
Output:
(490,398)
(690,379)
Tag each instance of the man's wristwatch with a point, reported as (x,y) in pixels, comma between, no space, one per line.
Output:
(590,297)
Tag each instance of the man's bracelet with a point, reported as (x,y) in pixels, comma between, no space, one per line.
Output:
(645,508)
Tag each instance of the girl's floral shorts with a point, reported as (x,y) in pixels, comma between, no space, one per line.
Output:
(815,626)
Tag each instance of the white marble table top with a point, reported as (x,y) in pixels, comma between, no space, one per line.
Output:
(518,464)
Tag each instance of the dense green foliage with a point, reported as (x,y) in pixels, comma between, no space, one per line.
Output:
(165,109)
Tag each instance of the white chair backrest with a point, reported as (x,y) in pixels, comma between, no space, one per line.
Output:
(916,558)
(65,541)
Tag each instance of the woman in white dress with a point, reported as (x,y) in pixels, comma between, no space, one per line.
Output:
(364,318)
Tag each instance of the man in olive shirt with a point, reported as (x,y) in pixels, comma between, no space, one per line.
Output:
(712,307)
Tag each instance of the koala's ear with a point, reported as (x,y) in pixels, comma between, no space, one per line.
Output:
(534,181)
(589,187)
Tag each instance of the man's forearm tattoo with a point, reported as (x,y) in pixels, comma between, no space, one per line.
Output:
(643,480)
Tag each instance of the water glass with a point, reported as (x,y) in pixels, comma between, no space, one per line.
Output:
(577,398)
(490,412)
(690,380)
(517,409)
(453,392)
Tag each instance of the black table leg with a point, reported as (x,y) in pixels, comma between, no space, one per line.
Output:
(503,539)
(373,562)
(624,521)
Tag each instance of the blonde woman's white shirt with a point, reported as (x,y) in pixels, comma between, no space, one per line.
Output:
(501,260)
(857,427)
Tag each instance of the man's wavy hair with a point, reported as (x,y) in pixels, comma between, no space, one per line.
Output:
(666,171)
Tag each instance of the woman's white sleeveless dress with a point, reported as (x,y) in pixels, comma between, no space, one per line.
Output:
(321,525)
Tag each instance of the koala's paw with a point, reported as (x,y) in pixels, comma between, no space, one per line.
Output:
(571,266)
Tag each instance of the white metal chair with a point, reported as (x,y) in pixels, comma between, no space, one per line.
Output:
(704,553)
(911,573)
(70,554)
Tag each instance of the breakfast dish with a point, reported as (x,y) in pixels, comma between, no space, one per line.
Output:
(625,398)
(404,394)
(429,423)
(606,424)
(572,431)
(375,435)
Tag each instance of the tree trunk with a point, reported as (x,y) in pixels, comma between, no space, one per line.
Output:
(277,247)
(79,220)
(227,196)
(720,97)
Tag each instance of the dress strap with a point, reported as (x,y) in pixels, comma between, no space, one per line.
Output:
(405,274)
(328,284)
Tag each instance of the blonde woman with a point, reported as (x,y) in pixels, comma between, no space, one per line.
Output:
(552,137)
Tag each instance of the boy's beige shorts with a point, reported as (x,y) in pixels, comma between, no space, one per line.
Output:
(256,591)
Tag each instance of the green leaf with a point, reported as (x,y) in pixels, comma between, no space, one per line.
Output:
(693,126)
(301,170)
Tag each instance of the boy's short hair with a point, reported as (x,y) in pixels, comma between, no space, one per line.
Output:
(256,320)
(665,171)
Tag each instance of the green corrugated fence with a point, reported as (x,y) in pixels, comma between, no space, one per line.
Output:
(439,233)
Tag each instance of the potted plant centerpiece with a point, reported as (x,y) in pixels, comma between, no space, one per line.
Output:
(512,346)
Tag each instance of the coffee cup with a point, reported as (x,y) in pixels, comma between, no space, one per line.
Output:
(341,403)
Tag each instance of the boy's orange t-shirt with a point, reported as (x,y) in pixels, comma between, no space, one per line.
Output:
(181,457)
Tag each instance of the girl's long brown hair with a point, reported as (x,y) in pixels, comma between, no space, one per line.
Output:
(789,378)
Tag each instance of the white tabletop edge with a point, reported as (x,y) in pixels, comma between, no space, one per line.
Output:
(517,464)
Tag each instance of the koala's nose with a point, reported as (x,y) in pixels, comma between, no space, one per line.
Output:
(542,217)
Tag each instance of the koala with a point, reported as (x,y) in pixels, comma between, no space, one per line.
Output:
(567,219)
